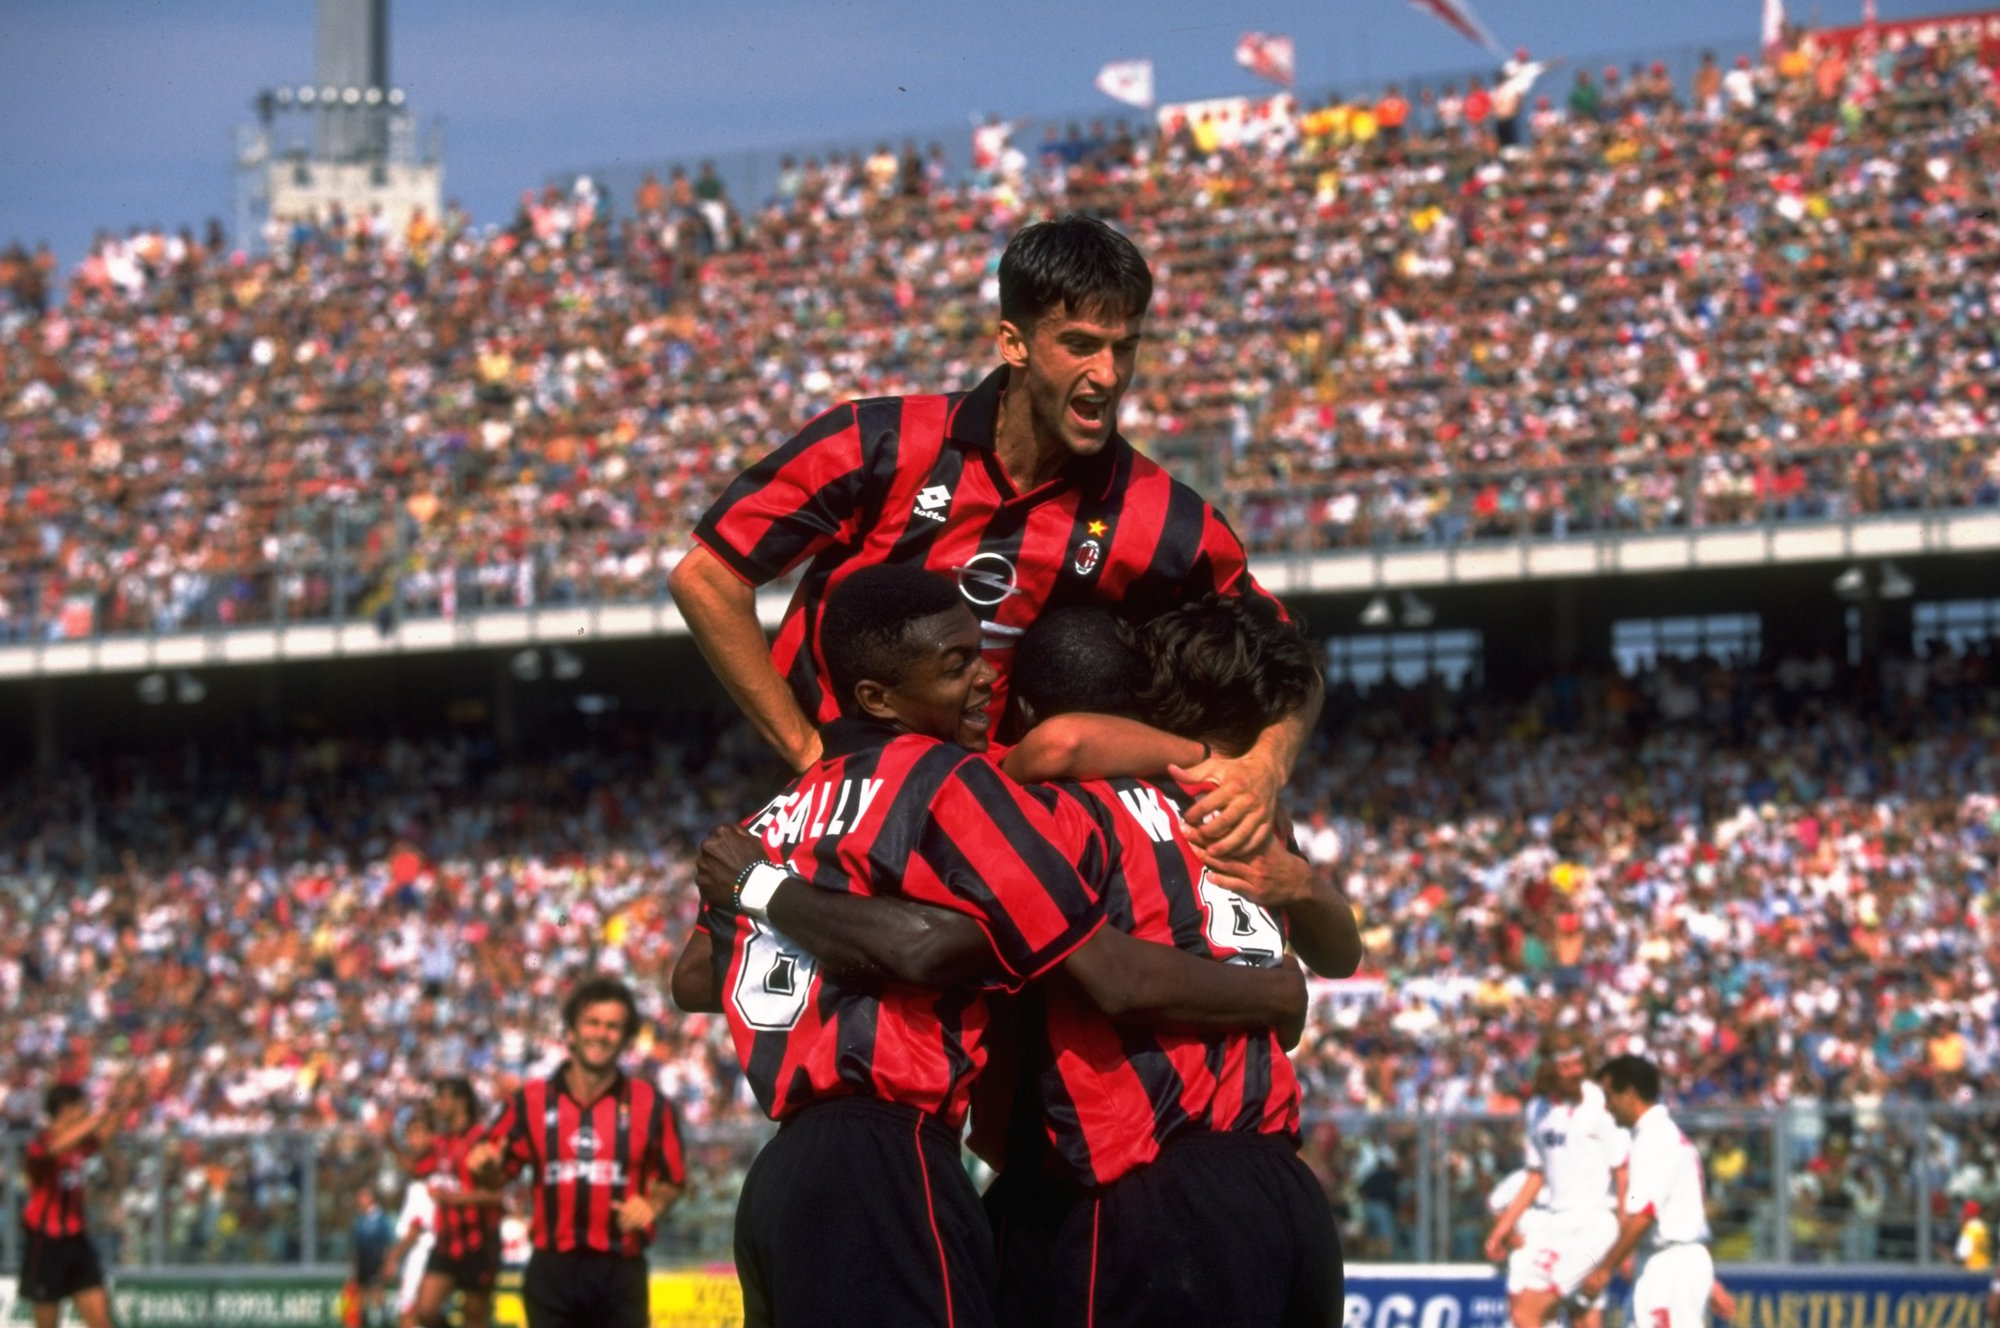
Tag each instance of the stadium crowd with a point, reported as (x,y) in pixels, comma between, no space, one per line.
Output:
(1780,885)
(1376,321)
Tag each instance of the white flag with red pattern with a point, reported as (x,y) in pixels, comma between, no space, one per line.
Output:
(1269,56)
(1129,81)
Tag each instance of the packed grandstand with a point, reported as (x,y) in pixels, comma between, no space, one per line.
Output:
(1778,300)
(1774,296)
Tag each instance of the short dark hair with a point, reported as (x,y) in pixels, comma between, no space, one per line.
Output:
(1075,263)
(460,1087)
(1223,669)
(596,991)
(865,629)
(1634,1072)
(60,1098)
(1076,658)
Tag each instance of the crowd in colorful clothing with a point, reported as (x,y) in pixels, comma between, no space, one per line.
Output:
(1782,883)
(1377,321)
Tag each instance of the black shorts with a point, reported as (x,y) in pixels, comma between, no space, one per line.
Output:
(475,1272)
(859,1214)
(585,1289)
(1226,1230)
(54,1268)
(1027,1209)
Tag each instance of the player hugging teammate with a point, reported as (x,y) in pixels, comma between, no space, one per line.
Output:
(1089,932)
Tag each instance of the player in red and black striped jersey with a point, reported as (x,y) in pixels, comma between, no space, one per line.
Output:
(58,1261)
(465,1254)
(606,1152)
(1153,1128)
(1149,1126)
(870,1080)
(1022,490)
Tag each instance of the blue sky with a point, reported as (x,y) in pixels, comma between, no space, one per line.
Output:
(121,112)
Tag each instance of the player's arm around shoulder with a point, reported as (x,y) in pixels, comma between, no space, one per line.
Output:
(1143,982)
(860,940)
(1085,746)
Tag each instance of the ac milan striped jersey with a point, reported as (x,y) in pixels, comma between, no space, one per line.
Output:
(915,480)
(589,1159)
(55,1186)
(463,1229)
(884,814)
(1114,1095)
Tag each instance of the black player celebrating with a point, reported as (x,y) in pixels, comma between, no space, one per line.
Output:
(60,1263)
(1174,1179)
(870,1082)
(606,1152)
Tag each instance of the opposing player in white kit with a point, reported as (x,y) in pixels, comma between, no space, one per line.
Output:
(416,1232)
(1566,1213)
(1664,1216)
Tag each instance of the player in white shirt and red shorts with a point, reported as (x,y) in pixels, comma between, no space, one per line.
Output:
(1558,1225)
(1665,1217)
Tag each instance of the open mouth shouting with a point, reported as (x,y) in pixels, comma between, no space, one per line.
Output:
(1090,412)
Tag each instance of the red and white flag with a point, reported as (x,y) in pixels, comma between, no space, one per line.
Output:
(1129,81)
(1458,16)
(1268,56)
(1774,27)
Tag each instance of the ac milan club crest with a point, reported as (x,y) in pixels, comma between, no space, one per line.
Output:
(1086,557)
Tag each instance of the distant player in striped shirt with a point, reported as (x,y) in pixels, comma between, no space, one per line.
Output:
(870,1079)
(465,1256)
(59,1262)
(606,1154)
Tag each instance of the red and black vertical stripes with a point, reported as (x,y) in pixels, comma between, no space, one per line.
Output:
(906,815)
(55,1187)
(916,481)
(1115,1095)
(589,1158)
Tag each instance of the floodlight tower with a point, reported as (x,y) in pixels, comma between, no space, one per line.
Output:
(346,141)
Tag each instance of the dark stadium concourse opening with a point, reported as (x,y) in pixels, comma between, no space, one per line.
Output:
(565,748)
(1524,633)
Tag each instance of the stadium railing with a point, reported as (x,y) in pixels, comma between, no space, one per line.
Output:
(355,564)
(1809,1183)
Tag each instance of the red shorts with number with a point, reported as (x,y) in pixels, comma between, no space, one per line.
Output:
(1558,1250)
